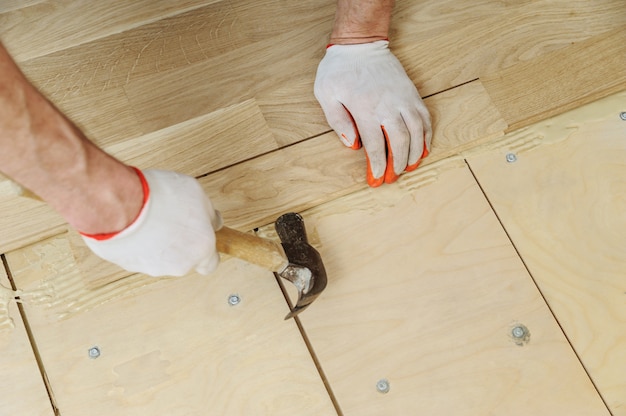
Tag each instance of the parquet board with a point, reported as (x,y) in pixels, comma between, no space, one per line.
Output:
(548,85)
(23,390)
(564,206)
(172,346)
(424,290)
(445,44)
(48,26)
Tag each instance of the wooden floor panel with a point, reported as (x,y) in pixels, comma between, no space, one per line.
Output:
(223,90)
(564,206)
(168,346)
(425,289)
(23,389)
(49,26)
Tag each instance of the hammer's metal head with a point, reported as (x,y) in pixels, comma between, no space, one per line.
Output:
(305,270)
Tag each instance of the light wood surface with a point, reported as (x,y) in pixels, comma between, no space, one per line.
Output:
(259,189)
(23,389)
(564,206)
(424,290)
(531,91)
(171,346)
(223,90)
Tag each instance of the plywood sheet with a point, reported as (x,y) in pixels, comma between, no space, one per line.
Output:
(23,390)
(170,346)
(424,290)
(564,206)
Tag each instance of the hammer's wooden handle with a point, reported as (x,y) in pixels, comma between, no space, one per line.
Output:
(253,249)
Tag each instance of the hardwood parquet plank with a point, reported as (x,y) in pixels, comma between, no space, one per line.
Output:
(563,205)
(485,39)
(49,27)
(23,391)
(177,95)
(10,5)
(115,60)
(424,290)
(548,85)
(168,346)
(265,19)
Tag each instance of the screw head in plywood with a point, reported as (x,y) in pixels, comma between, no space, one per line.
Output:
(520,334)
(94,352)
(511,157)
(234,300)
(383,386)
(622,115)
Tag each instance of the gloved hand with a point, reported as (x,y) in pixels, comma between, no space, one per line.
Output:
(368,98)
(174,232)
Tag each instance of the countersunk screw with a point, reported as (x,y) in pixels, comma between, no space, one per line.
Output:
(520,334)
(383,386)
(234,300)
(511,157)
(94,352)
(622,115)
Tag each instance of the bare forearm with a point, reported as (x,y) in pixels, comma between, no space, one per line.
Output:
(361,21)
(45,152)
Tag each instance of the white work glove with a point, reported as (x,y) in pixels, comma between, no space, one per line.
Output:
(368,98)
(173,234)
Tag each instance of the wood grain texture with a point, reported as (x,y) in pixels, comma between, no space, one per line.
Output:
(179,94)
(546,86)
(173,347)
(23,390)
(10,5)
(564,206)
(424,289)
(443,44)
(152,48)
(53,26)
(318,170)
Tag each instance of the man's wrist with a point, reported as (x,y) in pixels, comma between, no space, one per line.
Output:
(361,21)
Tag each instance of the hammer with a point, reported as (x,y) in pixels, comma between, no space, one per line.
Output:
(294,259)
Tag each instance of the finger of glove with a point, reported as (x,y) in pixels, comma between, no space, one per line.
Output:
(375,151)
(418,145)
(397,140)
(341,121)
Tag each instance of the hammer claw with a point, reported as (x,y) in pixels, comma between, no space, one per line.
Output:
(305,270)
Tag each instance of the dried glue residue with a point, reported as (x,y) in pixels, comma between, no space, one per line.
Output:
(6,296)
(556,129)
(57,281)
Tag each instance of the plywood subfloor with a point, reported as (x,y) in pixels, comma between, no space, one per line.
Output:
(428,276)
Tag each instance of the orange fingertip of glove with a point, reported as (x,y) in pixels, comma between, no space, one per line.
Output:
(390,174)
(371,180)
(414,166)
(146,194)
